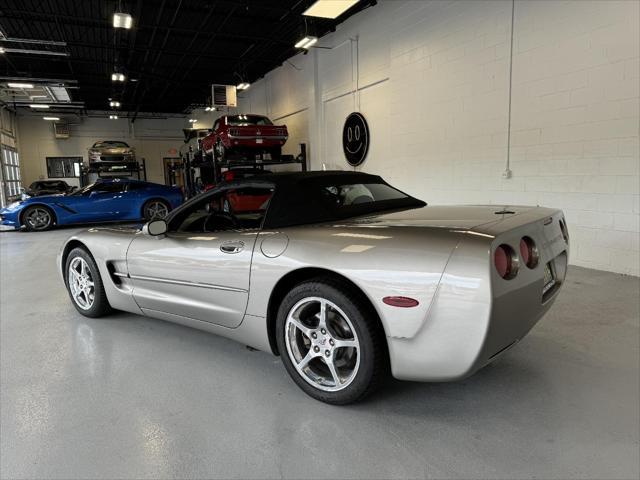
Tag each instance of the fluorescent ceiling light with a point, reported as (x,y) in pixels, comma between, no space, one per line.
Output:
(2,50)
(51,118)
(306,42)
(193,120)
(114,104)
(60,94)
(329,8)
(117,77)
(20,85)
(122,20)
(113,117)
(37,96)
(243,86)
(39,105)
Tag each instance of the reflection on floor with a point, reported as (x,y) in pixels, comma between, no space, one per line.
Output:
(133,397)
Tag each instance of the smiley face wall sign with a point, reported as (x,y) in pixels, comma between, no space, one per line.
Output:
(355,139)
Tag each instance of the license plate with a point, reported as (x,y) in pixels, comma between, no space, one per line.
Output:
(258,140)
(549,279)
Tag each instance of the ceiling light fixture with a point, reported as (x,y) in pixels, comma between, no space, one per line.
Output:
(39,105)
(2,50)
(117,77)
(243,86)
(122,20)
(113,117)
(193,120)
(306,42)
(51,118)
(329,8)
(20,85)
(114,104)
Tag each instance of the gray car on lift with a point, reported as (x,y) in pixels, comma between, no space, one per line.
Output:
(342,275)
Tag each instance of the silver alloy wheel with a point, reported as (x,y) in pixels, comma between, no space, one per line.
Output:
(322,344)
(81,283)
(156,210)
(38,218)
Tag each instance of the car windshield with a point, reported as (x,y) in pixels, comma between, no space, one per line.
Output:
(54,184)
(110,144)
(247,120)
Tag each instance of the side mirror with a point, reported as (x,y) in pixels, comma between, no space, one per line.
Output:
(155,228)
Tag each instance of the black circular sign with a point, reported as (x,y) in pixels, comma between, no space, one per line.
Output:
(355,139)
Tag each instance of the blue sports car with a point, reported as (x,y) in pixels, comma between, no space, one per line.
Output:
(103,201)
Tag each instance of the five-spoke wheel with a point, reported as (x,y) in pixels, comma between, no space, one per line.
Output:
(37,218)
(81,284)
(322,344)
(330,341)
(84,284)
(155,210)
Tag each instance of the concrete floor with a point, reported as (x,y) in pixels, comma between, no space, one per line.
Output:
(131,397)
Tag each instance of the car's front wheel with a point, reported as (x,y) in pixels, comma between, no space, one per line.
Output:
(84,284)
(331,342)
(37,218)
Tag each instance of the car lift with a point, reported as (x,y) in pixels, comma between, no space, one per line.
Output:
(192,160)
(114,170)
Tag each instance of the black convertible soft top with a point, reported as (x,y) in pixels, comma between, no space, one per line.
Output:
(298,198)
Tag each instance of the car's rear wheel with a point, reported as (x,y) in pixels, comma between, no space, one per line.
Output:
(331,342)
(37,218)
(155,210)
(219,151)
(84,284)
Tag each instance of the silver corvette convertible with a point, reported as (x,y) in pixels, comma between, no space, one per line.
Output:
(344,276)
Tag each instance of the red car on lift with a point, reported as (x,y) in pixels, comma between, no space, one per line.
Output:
(237,202)
(245,136)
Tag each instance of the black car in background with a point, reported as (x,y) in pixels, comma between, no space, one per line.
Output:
(48,187)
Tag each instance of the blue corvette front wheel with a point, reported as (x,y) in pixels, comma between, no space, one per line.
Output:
(38,218)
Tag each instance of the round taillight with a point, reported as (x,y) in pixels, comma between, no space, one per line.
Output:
(565,232)
(228,176)
(528,252)
(505,261)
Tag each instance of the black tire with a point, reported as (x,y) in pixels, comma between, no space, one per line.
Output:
(152,206)
(373,356)
(38,218)
(219,151)
(100,305)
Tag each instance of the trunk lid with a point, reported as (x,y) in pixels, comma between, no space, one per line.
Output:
(468,217)
(258,131)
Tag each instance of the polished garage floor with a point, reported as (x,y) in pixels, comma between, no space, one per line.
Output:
(133,397)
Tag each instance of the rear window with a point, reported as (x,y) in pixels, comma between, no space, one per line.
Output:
(359,194)
(247,120)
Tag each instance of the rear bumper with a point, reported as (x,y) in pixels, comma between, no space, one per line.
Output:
(253,142)
(471,322)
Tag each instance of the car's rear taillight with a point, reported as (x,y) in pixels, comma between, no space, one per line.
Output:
(565,232)
(505,262)
(528,252)
(228,176)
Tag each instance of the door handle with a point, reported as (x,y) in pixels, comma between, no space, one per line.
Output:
(232,246)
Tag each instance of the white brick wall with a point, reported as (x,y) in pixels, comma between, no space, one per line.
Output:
(433,80)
